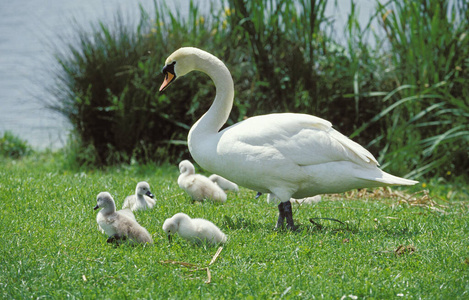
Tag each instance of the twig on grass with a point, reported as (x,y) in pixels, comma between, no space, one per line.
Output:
(319,226)
(423,201)
(330,219)
(209,276)
(194,267)
(214,258)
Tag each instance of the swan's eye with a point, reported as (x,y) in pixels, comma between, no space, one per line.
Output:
(169,68)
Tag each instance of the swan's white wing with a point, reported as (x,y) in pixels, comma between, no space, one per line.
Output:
(303,139)
(364,154)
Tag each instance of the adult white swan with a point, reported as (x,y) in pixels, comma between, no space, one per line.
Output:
(287,155)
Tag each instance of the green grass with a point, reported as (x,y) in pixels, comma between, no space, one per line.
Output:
(51,247)
(13,146)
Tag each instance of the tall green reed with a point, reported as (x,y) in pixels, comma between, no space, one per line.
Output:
(427,112)
(293,62)
(107,86)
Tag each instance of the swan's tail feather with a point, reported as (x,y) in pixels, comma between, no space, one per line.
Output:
(389,179)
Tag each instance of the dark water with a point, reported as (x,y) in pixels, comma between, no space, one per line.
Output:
(30,31)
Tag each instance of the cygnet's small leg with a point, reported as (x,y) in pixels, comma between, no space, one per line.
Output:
(281,216)
(116,238)
(289,215)
(113,238)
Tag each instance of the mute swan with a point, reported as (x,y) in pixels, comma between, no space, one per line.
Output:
(224,183)
(193,230)
(288,155)
(198,186)
(142,198)
(118,226)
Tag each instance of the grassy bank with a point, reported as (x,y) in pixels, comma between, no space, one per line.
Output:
(51,247)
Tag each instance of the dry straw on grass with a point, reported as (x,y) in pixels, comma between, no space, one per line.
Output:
(417,199)
(194,267)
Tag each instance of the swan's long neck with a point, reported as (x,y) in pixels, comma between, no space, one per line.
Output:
(216,116)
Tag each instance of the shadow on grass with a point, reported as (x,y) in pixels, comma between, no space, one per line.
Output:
(323,225)
(333,226)
(240,222)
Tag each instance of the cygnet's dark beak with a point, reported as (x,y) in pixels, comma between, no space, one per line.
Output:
(149,194)
(96,207)
(169,238)
(258,195)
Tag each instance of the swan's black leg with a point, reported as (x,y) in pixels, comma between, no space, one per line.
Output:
(289,215)
(281,216)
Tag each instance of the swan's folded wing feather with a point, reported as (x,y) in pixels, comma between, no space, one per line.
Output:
(303,139)
(364,154)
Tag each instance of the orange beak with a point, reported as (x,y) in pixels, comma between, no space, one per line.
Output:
(167,80)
